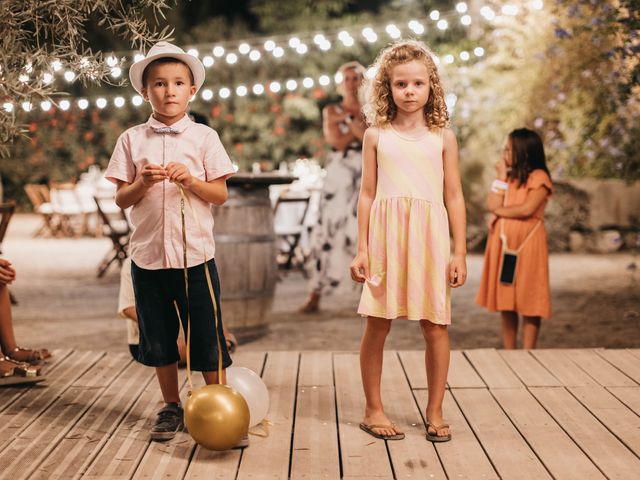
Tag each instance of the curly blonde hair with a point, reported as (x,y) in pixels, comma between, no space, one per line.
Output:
(380,110)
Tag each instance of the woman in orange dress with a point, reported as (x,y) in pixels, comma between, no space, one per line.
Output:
(517,201)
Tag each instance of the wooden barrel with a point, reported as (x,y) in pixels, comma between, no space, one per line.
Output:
(246,255)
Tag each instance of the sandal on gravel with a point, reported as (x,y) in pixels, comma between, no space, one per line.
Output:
(370,430)
(435,437)
(33,356)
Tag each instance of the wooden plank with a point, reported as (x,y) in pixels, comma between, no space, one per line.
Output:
(492,368)
(561,367)
(414,456)
(207,464)
(414,368)
(83,442)
(462,374)
(269,457)
(315,441)
(634,351)
(609,455)
(121,455)
(21,457)
(22,412)
(623,360)
(552,445)
(463,456)
(316,369)
(630,396)
(362,455)
(10,394)
(508,451)
(528,369)
(599,369)
(612,413)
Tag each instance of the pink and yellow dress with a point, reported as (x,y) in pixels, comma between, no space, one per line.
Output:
(408,240)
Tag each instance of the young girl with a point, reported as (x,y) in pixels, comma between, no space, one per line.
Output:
(517,201)
(410,194)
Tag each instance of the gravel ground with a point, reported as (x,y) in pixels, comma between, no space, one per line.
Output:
(596,303)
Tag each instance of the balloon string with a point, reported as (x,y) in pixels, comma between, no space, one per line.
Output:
(264,425)
(183,197)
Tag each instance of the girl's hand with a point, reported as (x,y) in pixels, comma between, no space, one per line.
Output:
(457,271)
(491,220)
(179,173)
(152,174)
(360,268)
(7,272)
(501,169)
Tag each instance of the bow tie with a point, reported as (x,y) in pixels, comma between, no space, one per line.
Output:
(165,130)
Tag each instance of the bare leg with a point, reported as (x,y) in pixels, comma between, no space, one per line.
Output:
(530,330)
(168,380)
(371,353)
(437,363)
(7,337)
(211,378)
(311,304)
(509,330)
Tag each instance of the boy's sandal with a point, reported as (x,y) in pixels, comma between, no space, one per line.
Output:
(29,355)
(435,437)
(369,428)
(23,369)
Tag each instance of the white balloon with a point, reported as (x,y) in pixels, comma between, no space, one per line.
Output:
(249,384)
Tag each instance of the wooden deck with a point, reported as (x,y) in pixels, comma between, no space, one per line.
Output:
(514,414)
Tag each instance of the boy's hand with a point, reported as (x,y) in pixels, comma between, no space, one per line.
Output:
(457,271)
(152,174)
(7,272)
(179,173)
(359,268)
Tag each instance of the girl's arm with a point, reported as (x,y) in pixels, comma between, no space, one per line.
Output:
(360,265)
(332,134)
(357,127)
(534,199)
(454,202)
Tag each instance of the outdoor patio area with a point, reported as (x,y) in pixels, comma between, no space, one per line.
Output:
(514,414)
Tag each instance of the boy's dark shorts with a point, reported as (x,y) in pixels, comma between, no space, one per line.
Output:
(155,291)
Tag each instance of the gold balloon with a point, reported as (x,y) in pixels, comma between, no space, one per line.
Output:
(217,417)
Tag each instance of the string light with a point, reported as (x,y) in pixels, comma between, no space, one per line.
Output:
(101,102)
(324,80)
(269,45)
(193,52)
(537,4)
(116,72)
(442,24)
(83,104)
(307,82)
(224,92)
(244,48)
(255,55)
(487,13)
(119,102)
(69,76)
(137,100)
(208,61)
(434,15)
(416,27)
(465,20)
(218,51)
(294,42)
(112,61)
(278,52)
(461,7)
(511,10)
(258,89)
(291,85)
(24,78)
(138,57)
(64,105)
(241,91)
(56,65)
(302,49)
(231,58)
(8,107)
(26,106)
(207,94)
(274,87)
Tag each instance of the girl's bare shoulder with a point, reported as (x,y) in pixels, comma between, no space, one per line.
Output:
(371,135)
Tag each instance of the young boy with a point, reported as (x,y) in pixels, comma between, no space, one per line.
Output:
(148,163)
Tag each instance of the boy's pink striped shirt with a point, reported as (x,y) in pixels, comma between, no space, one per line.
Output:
(156,241)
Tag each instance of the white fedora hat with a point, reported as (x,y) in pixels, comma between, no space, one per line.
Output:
(164,50)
